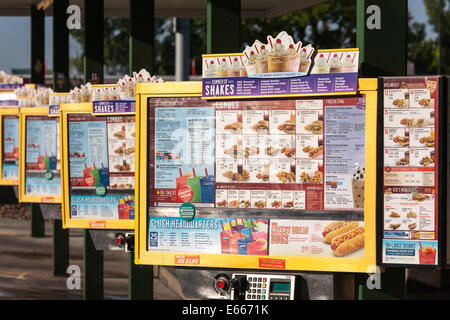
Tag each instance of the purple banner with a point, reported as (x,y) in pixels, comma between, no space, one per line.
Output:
(9,102)
(314,83)
(53,110)
(9,86)
(114,107)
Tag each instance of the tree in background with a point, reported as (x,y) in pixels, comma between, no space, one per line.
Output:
(327,25)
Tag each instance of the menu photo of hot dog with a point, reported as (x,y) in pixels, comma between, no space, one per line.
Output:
(345,237)
(326,238)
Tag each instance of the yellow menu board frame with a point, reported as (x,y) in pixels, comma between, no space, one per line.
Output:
(23,197)
(68,222)
(367,87)
(7,111)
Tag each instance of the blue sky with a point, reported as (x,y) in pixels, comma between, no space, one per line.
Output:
(15,45)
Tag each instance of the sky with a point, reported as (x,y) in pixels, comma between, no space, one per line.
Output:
(15,46)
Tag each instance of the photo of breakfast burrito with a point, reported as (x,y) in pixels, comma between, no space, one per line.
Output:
(409,122)
(315,127)
(235,127)
(401,140)
(262,126)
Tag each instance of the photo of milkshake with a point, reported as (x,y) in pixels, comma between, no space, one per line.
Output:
(293,59)
(305,62)
(251,64)
(278,58)
(211,70)
(222,69)
(336,65)
(322,65)
(235,68)
(358,188)
(261,60)
(348,65)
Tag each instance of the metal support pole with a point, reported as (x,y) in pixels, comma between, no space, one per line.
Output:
(182,50)
(60,249)
(223,26)
(93,41)
(37,221)
(140,285)
(93,270)
(142,37)
(61,81)
(381,37)
(37,46)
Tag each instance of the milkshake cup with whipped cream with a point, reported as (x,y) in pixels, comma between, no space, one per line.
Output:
(278,58)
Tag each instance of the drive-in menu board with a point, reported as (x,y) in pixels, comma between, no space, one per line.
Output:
(101,166)
(10,143)
(410,156)
(42,170)
(283,155)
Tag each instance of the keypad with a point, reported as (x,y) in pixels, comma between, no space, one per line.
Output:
(257,288)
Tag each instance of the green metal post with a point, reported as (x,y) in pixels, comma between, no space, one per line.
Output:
(60,46)
(93,270)
(93,41)
(37,45)
(93,73)
(142,46)
(140,285)
(381,37)
(223,26)
(60,249)
(37,221)
(142,37)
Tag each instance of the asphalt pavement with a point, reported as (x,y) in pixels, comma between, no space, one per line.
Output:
(26,268)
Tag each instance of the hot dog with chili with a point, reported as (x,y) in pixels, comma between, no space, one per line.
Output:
(348,242)
(337,228)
